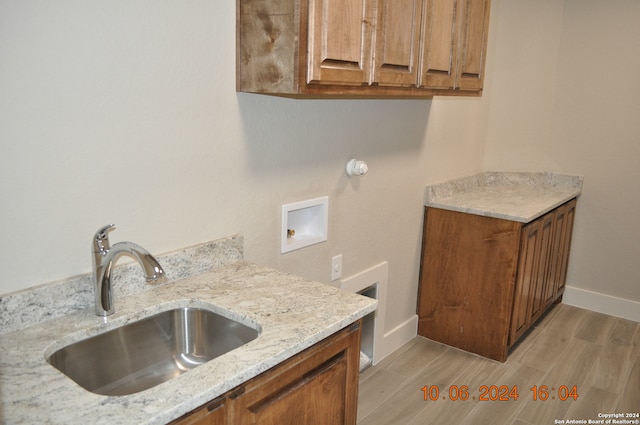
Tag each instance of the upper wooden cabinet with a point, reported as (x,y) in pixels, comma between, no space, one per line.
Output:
(407,48)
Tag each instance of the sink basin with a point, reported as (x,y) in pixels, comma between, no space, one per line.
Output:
(145,353)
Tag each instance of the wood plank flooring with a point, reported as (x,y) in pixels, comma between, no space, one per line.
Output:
(596,353)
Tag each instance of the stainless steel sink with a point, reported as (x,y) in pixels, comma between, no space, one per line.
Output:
(145,353)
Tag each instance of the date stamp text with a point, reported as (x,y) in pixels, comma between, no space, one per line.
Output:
(499,393)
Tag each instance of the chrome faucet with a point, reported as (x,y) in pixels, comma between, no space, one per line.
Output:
(104,259)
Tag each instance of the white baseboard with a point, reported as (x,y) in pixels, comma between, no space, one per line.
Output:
(399,336)
(602,303)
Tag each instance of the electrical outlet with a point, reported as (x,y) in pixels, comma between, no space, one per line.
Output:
(336,267)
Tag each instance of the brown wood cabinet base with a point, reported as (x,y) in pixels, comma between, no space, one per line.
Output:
(317,386)
(484,281)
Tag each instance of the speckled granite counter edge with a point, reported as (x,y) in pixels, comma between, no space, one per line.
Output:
(25,308)
(439,195)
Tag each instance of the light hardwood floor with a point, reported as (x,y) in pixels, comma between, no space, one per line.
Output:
(599,354)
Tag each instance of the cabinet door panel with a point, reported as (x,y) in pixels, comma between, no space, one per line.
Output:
(543,253)
(567,231)
(439,41)
(338,41)
(314,399)
(555,256)
(214,413)
(525,282)
(318,386)
(474,21)
(397,42)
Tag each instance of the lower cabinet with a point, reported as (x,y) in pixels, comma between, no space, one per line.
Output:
(317,386)
(484,281)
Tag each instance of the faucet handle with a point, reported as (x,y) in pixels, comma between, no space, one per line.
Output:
(101,238)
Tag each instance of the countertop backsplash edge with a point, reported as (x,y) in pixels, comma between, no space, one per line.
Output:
(28,307)
(444,189)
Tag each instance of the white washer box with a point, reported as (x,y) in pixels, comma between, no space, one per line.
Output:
(304,223)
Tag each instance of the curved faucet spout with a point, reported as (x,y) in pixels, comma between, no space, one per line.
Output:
(104,260)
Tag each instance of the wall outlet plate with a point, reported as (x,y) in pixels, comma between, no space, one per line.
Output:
(336,267)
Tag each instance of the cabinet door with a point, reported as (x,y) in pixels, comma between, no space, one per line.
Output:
(397,42)
(538,290)
(559,251)
(439,44)
(472,45)
(526,278)
(318,386)
(454,46)
(214,413)
(339,42)
(563,255)
(555,254)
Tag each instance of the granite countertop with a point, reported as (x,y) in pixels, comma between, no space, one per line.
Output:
(291,312)
(512,196)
